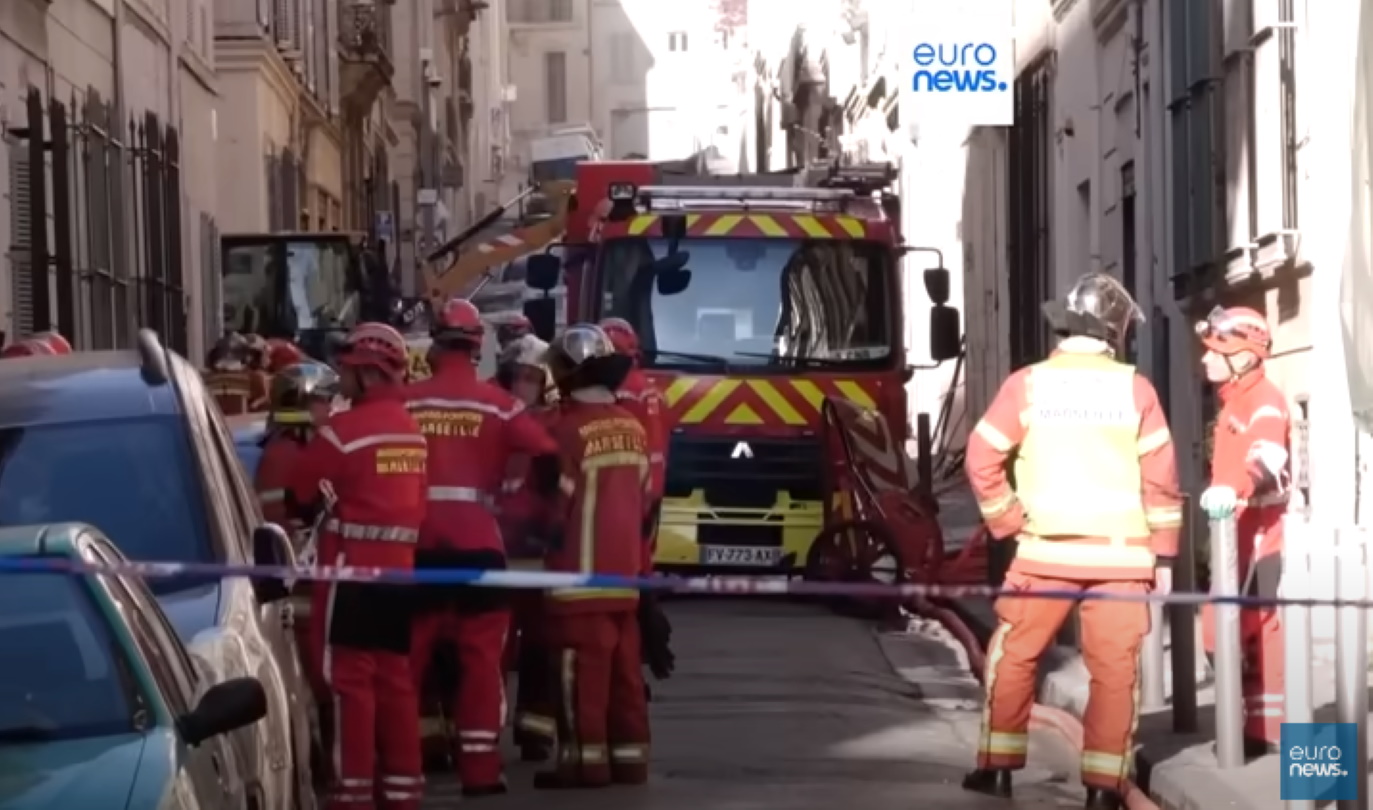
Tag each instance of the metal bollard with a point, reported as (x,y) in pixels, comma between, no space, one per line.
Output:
(1229,697)
(1153,695)
(1182,629)
(1351,648)
(1296,629)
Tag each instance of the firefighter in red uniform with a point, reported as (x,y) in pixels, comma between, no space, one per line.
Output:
(473,428)
(1095,509)
(638,395)
(512,330)
(597,527)
(234,381)
(521,372)
(43,343)
(367,467)
(282,354)
(1250,481)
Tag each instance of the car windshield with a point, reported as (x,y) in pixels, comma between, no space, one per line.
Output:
(67,682)
(755,302)
(314,293)
(133,479)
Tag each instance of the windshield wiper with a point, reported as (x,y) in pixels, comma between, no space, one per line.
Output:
(713,359)
(797,360)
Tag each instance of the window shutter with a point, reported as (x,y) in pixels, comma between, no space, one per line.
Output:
(286,27)
(21,241)
(331,38)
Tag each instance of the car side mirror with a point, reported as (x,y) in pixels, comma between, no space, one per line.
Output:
(937,285)
(542,271)
(272,549)
(227,706)
(543,316)
(946,333)
(674,282)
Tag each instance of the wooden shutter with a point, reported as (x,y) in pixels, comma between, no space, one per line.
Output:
(21,240)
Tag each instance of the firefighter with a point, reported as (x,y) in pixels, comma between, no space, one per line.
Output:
(473,428)
(301,398)
(1095,509)
(1250,481)
(259,353)
(367,467)
(236,386)
(596,528)
(282,354)
(638,395)
(41,344)
(522,372)
(512,330)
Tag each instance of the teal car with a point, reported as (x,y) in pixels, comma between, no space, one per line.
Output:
(101,705)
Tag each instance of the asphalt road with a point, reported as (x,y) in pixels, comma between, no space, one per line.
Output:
(788,707)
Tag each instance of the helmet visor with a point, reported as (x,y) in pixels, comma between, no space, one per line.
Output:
(1216,326)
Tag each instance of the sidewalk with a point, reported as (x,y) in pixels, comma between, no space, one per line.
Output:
(1178,771)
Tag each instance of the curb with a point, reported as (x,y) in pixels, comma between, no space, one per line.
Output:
(1046,717)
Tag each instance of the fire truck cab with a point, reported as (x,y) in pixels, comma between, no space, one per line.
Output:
(755,298)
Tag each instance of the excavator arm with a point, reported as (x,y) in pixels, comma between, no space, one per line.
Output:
(484,258)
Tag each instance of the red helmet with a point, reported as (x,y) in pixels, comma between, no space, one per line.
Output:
(282,354)
(621,334)
(375,345)
(1237,329)
(259,352)
(41,344)
(513,329)
(459,322)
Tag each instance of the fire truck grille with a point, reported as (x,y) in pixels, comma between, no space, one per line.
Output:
(741,474)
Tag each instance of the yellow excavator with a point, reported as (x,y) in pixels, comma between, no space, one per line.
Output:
(444,278)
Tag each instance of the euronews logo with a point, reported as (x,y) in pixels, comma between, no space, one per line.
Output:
(957,67)
(1315,760)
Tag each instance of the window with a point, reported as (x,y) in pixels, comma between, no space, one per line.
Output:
(677,42)
(532,12)
(756,302)
(134,478)
(315,292)
(555,87)
(1194,104)
(71,681)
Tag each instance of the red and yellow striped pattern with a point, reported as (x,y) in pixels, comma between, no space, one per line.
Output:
(760,401)
(777,226)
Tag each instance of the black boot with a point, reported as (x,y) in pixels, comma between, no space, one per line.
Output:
(1098,799)
(535,751)
(989,781)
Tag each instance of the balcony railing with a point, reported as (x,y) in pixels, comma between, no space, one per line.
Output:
(365,29)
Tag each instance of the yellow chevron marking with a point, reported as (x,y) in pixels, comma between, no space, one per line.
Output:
(724,224)
(767,225)
(692,219)
(709,402)
(811,392)
(854,393)
(743,415)
(767,392)
(640,224)
(851,226)
(678,389)
(811,226)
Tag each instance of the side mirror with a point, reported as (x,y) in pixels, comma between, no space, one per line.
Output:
(946,333)
(272,548)
(937,285)
(674,282)
(227,706)
(542,271)
(543,316)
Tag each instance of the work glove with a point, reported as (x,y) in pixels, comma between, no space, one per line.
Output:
(1219,503)
(655,632)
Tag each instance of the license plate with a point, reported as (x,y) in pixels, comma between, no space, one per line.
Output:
(740,555)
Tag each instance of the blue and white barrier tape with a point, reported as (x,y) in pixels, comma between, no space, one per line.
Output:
(548,580)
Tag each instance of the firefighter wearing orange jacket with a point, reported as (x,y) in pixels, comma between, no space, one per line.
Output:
(1250,481)
(473,428)
(1095,509)
(638,395)
(233,378)
(41,344)
(302,397)
(601,487)
(520,370)
(369,463)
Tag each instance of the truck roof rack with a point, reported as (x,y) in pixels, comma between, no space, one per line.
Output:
(683,197)
(861,178)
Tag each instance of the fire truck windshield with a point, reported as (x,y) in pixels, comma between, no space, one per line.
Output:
(313,292)
(755,302)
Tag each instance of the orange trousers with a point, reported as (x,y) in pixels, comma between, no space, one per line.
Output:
(1261,635)
(1112,634)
